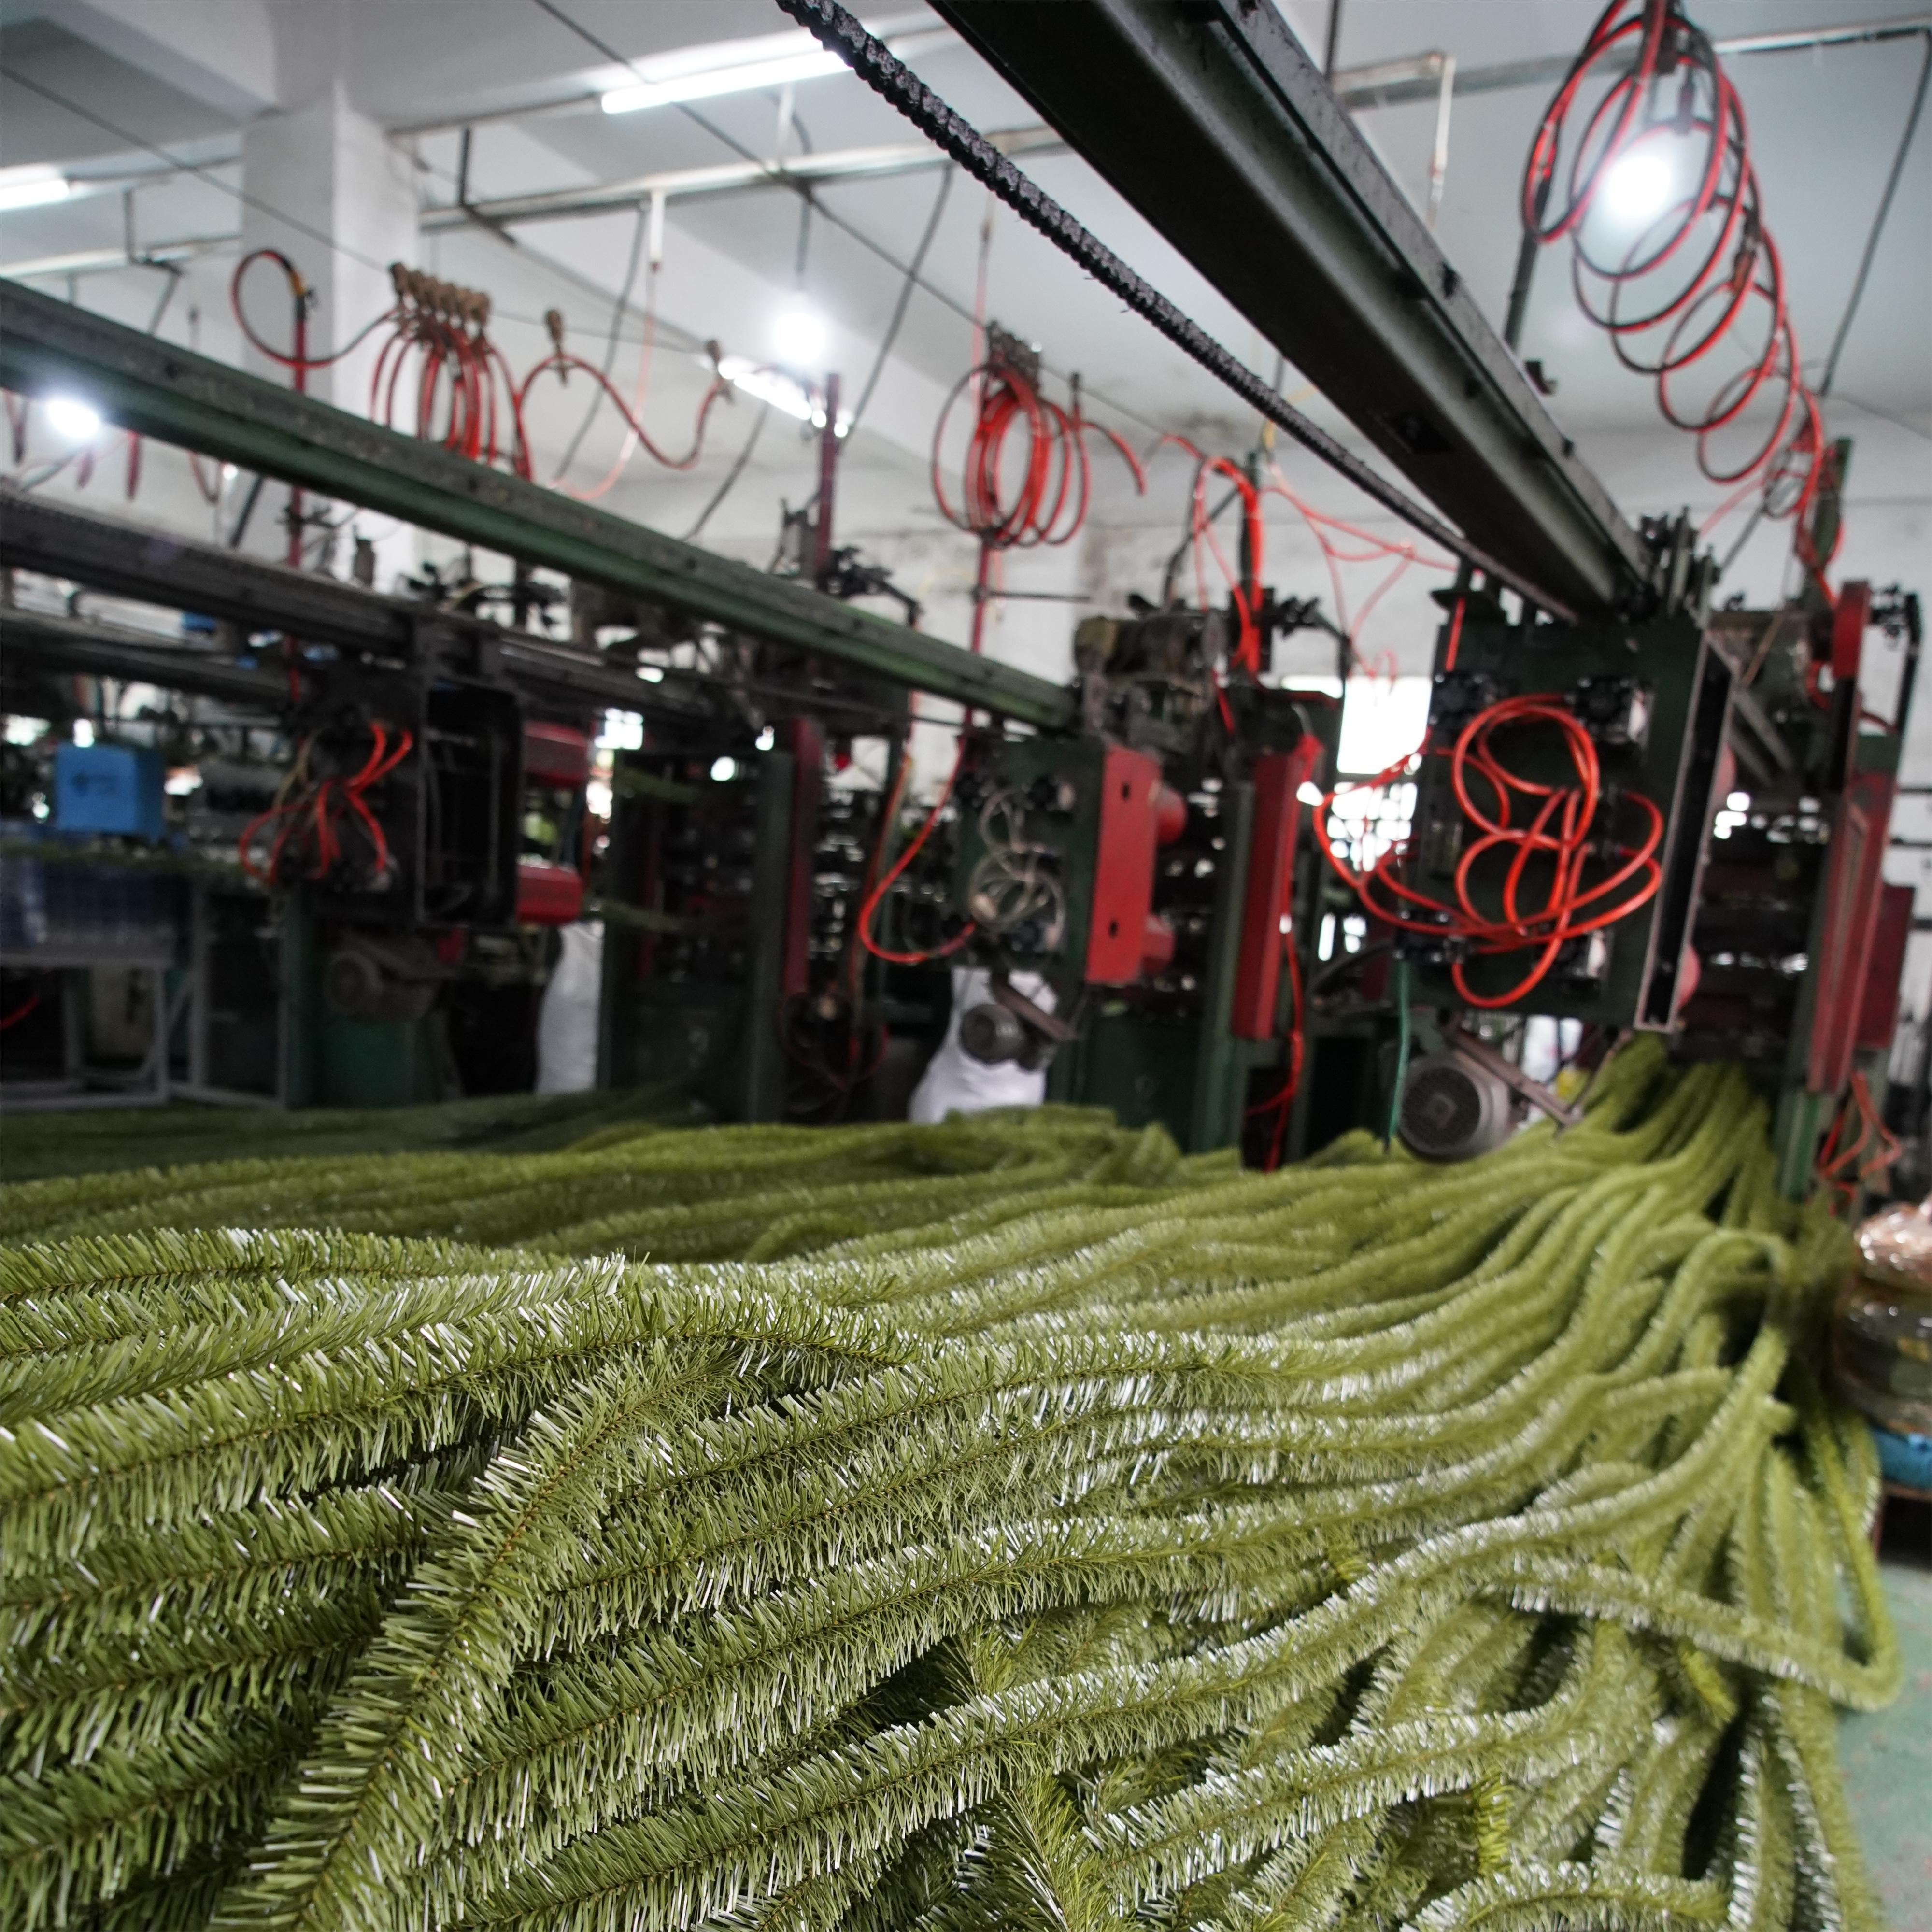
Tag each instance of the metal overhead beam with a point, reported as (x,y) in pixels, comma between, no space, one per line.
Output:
(70,646)
(1212,121)
(160,391)
(158,567)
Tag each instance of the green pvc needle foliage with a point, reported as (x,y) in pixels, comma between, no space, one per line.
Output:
(558,1520)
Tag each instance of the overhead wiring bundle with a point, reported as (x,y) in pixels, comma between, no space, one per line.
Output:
(1030,1528)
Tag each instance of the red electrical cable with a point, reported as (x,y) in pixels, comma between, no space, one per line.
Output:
(20,1012)
(459,374)
(1280,1102)
(298,359)
(1402,555)
(1844,1170)
(313,817)
(864,927)
(631,442)
(563,361)
(1669,294)
(1244,592)
(1560,833)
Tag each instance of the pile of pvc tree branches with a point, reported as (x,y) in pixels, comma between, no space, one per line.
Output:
(85,1140)
(1005,1524)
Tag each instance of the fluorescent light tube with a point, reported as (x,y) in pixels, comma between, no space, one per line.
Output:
(741,79)
(30,188)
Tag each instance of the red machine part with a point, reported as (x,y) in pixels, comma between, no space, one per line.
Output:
(554,755)
(1170,810)
(1850,617)
(548,894)
(804,740)
(1690,971)
(1878,1009)
(1130,823)
(1852,889)
(1279,777)
(1157,947)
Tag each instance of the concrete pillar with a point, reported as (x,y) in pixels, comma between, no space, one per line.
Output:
(327,187)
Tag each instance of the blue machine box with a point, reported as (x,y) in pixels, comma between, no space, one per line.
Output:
(113,788)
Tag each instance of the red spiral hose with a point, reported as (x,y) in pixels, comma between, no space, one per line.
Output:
(1703,272)
(1048,504)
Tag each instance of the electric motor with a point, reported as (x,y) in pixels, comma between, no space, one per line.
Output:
(992,1034)
(1453,1109)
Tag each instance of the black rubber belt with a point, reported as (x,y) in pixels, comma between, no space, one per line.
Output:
(876,64)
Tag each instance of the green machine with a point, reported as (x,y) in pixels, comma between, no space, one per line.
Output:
(699,930)
(1150,869)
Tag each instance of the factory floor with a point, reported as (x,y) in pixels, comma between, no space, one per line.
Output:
(1888,1754)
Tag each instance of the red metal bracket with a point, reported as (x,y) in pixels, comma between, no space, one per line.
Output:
(1130,829)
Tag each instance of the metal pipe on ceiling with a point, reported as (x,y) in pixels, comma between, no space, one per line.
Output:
(1390,83)
(101,261)
(1356,86)
(802,171)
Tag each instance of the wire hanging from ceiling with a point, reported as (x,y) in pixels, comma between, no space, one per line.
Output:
(874,63)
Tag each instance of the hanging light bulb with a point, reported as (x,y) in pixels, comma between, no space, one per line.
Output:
(798,334)
(70,417)
(1638,187)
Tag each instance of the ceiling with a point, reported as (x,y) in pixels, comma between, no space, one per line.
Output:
(184,77)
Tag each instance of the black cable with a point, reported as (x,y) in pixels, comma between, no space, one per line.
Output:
(1857,292)
(275,214)
(892,334)
(804,213)
(1181,549)
(1883,415)
(611,53)
(611,345)
(173,274)
(737,470)
(881,70)
(191,168)
(1878,219)
(248,503)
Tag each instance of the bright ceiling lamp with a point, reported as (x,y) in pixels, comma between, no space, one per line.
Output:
(798,335)
(68,416)
(725,67)
(1638,187)
(37,187)
(765,61)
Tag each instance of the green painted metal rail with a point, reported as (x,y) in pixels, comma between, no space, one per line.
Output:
(166,392)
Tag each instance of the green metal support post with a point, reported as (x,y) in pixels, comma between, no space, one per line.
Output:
(1221,1062)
